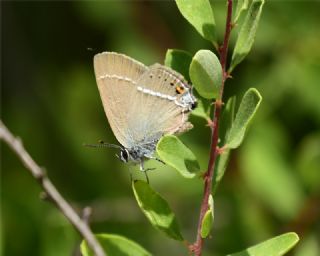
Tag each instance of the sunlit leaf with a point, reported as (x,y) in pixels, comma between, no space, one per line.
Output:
(175,154)
(200,15)
(179,60)
(206,74)
(247,33)
(247,109)
(156,209)
(115,245)
(208,218)
(275,246)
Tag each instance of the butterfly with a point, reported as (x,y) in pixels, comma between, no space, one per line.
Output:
(141,103)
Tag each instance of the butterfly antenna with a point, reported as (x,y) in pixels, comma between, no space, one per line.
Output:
(102,145)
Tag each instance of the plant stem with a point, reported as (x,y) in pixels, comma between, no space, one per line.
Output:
(196,248)
(50,191)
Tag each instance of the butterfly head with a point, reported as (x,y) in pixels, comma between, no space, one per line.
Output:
(124,155)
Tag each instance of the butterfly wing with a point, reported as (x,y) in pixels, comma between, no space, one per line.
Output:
(158,108)
(117,76)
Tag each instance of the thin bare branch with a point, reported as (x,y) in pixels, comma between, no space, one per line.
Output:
(50,191)
(86,214)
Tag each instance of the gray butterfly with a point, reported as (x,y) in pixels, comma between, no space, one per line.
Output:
(141,103)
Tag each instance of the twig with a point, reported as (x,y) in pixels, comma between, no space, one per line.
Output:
(86,214)
(50,191)
(196,248)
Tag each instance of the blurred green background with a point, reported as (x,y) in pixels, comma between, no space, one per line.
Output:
(50,99)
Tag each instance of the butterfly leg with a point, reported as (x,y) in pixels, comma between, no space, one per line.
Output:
(156,158)
(144,170)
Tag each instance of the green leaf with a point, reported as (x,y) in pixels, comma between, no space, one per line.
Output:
(247,33)
(207,221)
(115,245)
(276,246)
(223,159)
(242,5)
(206,74)
(175,154)
(247,109)
(178,60)
(200,15)
(156,209)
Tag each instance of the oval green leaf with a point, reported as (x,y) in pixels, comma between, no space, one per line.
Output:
(200,15)
(276,246)
(247,109)
(207,221)
(115,245)
(175,154)
(179,60)
(156,209)
(247,33)
(206,74)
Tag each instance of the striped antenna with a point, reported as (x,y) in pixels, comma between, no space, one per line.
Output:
(102,145)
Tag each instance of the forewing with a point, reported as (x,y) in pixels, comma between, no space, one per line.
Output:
(117,76)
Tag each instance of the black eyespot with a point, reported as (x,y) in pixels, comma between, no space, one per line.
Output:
(150,76)
(194,105)
(172,83)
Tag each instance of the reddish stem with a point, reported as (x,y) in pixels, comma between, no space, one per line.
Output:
(196,248)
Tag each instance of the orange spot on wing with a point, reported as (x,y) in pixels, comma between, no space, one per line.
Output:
(179,89)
